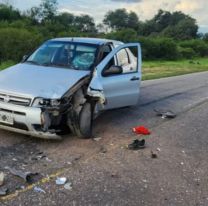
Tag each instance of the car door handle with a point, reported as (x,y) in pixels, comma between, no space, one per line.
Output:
(135,78)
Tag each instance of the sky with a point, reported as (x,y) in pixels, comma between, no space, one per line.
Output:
(145,9)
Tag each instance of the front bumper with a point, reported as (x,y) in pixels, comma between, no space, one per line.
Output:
(27,117)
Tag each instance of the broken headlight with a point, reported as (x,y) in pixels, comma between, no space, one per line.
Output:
(38,102)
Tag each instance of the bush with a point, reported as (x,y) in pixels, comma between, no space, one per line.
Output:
(125,35)
(159,48)
(186,53)
(197,45)
(17,42)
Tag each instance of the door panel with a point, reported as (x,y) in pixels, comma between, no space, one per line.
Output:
(120,91)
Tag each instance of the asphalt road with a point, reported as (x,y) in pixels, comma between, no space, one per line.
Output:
(105,172)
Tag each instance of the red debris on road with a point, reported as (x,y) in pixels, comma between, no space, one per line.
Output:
(141,130)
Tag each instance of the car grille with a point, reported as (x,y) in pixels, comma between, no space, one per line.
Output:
(14,100)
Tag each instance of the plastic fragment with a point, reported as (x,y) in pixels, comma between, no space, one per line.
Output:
(61,180)
(2,176)
(39,190)
(158,149)
(68,186)
(97,139)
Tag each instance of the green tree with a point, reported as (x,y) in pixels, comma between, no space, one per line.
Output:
(49,9)
(205,37)
(45,12)
(35,14)
(66,19)
(185,29)
(8,13)
(176,25)
(161,20)
(121,19)
(85,23)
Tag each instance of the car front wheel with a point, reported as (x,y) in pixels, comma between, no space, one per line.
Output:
(82,123)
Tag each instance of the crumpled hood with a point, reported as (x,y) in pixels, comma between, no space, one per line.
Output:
(39,81)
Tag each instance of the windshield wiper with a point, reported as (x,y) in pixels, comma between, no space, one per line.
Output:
(32,62)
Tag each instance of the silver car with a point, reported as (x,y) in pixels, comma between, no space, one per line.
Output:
(66,83)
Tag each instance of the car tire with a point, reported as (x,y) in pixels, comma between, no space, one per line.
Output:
(82,126)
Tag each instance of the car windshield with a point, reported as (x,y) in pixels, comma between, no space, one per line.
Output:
(70,55)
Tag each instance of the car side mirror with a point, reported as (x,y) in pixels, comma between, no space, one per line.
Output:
(112,71)
(24,58)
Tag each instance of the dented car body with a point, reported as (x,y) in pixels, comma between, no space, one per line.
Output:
(66,83)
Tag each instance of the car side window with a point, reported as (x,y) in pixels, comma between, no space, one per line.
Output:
(123,58)
(132,58)
(127,61)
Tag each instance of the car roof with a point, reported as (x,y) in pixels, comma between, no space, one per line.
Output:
(97,41)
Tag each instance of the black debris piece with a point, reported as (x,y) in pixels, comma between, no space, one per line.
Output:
(154,155)
(103,149)
(165,114)
(26,176)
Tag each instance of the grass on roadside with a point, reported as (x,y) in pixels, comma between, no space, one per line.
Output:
(159,69)
(6,64)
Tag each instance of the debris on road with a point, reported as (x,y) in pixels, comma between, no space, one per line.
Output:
(137,144)
(158,149)
(165,114)
(141,130)
(18,187)
(115,175)
(68,186)
(2,177)
(102,149)
(3,191)
(154,155)
(48,160)
(26,176)
(97,139)
(61,180)
(75,158)
(39,156)
(39,190)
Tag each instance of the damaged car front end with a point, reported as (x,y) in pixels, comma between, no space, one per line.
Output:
(46,118)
